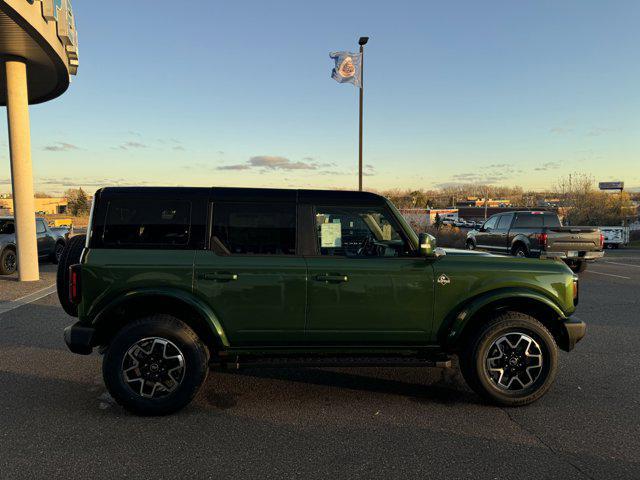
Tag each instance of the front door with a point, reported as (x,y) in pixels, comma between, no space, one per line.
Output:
(252,277)
(486,237)
(366,284)
(46,243)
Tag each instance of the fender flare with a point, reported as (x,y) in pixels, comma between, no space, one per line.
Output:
(453,328)
(212,321)
(520,238)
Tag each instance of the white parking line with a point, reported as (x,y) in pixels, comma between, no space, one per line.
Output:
(27,299)
(623,264)
(609,274)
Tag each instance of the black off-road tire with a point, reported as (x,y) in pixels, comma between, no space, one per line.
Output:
(70,256)
(56,255)
(161,326)
(578,266)
(8,266)
(475,352)
(519,250)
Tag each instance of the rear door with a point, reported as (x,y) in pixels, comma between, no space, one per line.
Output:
(500,236)
(252,275)
(366,285)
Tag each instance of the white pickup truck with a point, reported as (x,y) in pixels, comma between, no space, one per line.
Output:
(615,237)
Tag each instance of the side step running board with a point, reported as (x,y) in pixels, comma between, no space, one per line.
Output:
(346,362)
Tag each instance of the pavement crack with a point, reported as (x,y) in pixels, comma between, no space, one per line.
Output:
(557,454)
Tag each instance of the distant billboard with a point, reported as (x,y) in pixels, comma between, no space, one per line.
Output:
(611,185)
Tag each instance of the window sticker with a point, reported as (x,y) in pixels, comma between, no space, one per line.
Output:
(331,235)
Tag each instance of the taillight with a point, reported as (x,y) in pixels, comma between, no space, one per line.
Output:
(601,241)
(542,239)
(575,290)
(75,293)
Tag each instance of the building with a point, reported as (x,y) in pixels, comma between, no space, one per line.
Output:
(42,206)
(479,202)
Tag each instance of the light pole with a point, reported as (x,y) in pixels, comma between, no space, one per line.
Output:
(362,42)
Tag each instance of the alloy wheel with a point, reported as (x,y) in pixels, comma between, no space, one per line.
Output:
(153,367)
(514,361)
(10,261)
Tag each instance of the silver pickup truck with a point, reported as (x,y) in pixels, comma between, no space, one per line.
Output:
(51,242)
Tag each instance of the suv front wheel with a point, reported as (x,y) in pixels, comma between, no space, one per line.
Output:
(155,365)
(510,361)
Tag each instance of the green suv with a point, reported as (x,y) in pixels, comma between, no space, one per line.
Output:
(172,280)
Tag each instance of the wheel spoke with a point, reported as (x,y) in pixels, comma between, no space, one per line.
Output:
(514,361)
(153,367)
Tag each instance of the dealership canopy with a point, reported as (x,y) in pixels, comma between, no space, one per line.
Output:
(42,33)
(38,52)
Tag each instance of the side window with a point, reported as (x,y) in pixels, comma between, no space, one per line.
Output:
(551,221)
(147,223)
(40,227)
(254,229)
(358,232)
(528,220)
(491,223)
(505,222)
(7,227)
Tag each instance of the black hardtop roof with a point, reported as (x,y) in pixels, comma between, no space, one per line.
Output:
(247,194)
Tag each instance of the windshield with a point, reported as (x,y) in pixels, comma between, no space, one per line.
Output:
(7,227)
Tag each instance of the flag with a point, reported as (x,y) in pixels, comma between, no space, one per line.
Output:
(348,67)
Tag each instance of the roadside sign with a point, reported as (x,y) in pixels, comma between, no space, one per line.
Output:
(611,186)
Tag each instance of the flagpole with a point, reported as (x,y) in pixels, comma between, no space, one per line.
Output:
(362,42)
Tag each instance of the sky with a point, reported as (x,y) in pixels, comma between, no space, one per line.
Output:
(240,94)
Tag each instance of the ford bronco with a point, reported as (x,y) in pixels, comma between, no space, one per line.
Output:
(172,280)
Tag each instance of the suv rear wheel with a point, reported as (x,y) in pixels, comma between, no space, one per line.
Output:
(155,365)
(510,361)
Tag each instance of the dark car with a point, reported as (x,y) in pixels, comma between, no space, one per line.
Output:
(538,234)
(51,242)
(171,280)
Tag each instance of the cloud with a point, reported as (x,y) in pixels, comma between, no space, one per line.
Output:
(60,147)
(483,175)
(270,162)
(597,131)
(67,182)
(240,166)
(132,145)
(179,148)
(547,166)
(560,130)
(279,163)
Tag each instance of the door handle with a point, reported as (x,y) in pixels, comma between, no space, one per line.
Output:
(219,277)
(332,278)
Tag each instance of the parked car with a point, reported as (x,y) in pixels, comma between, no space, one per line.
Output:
(51,242)
(615,237)
(172,280)
(538,235)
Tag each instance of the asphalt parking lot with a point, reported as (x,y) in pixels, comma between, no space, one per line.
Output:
(56,419)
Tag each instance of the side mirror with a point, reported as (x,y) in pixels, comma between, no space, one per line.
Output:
(427,244)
